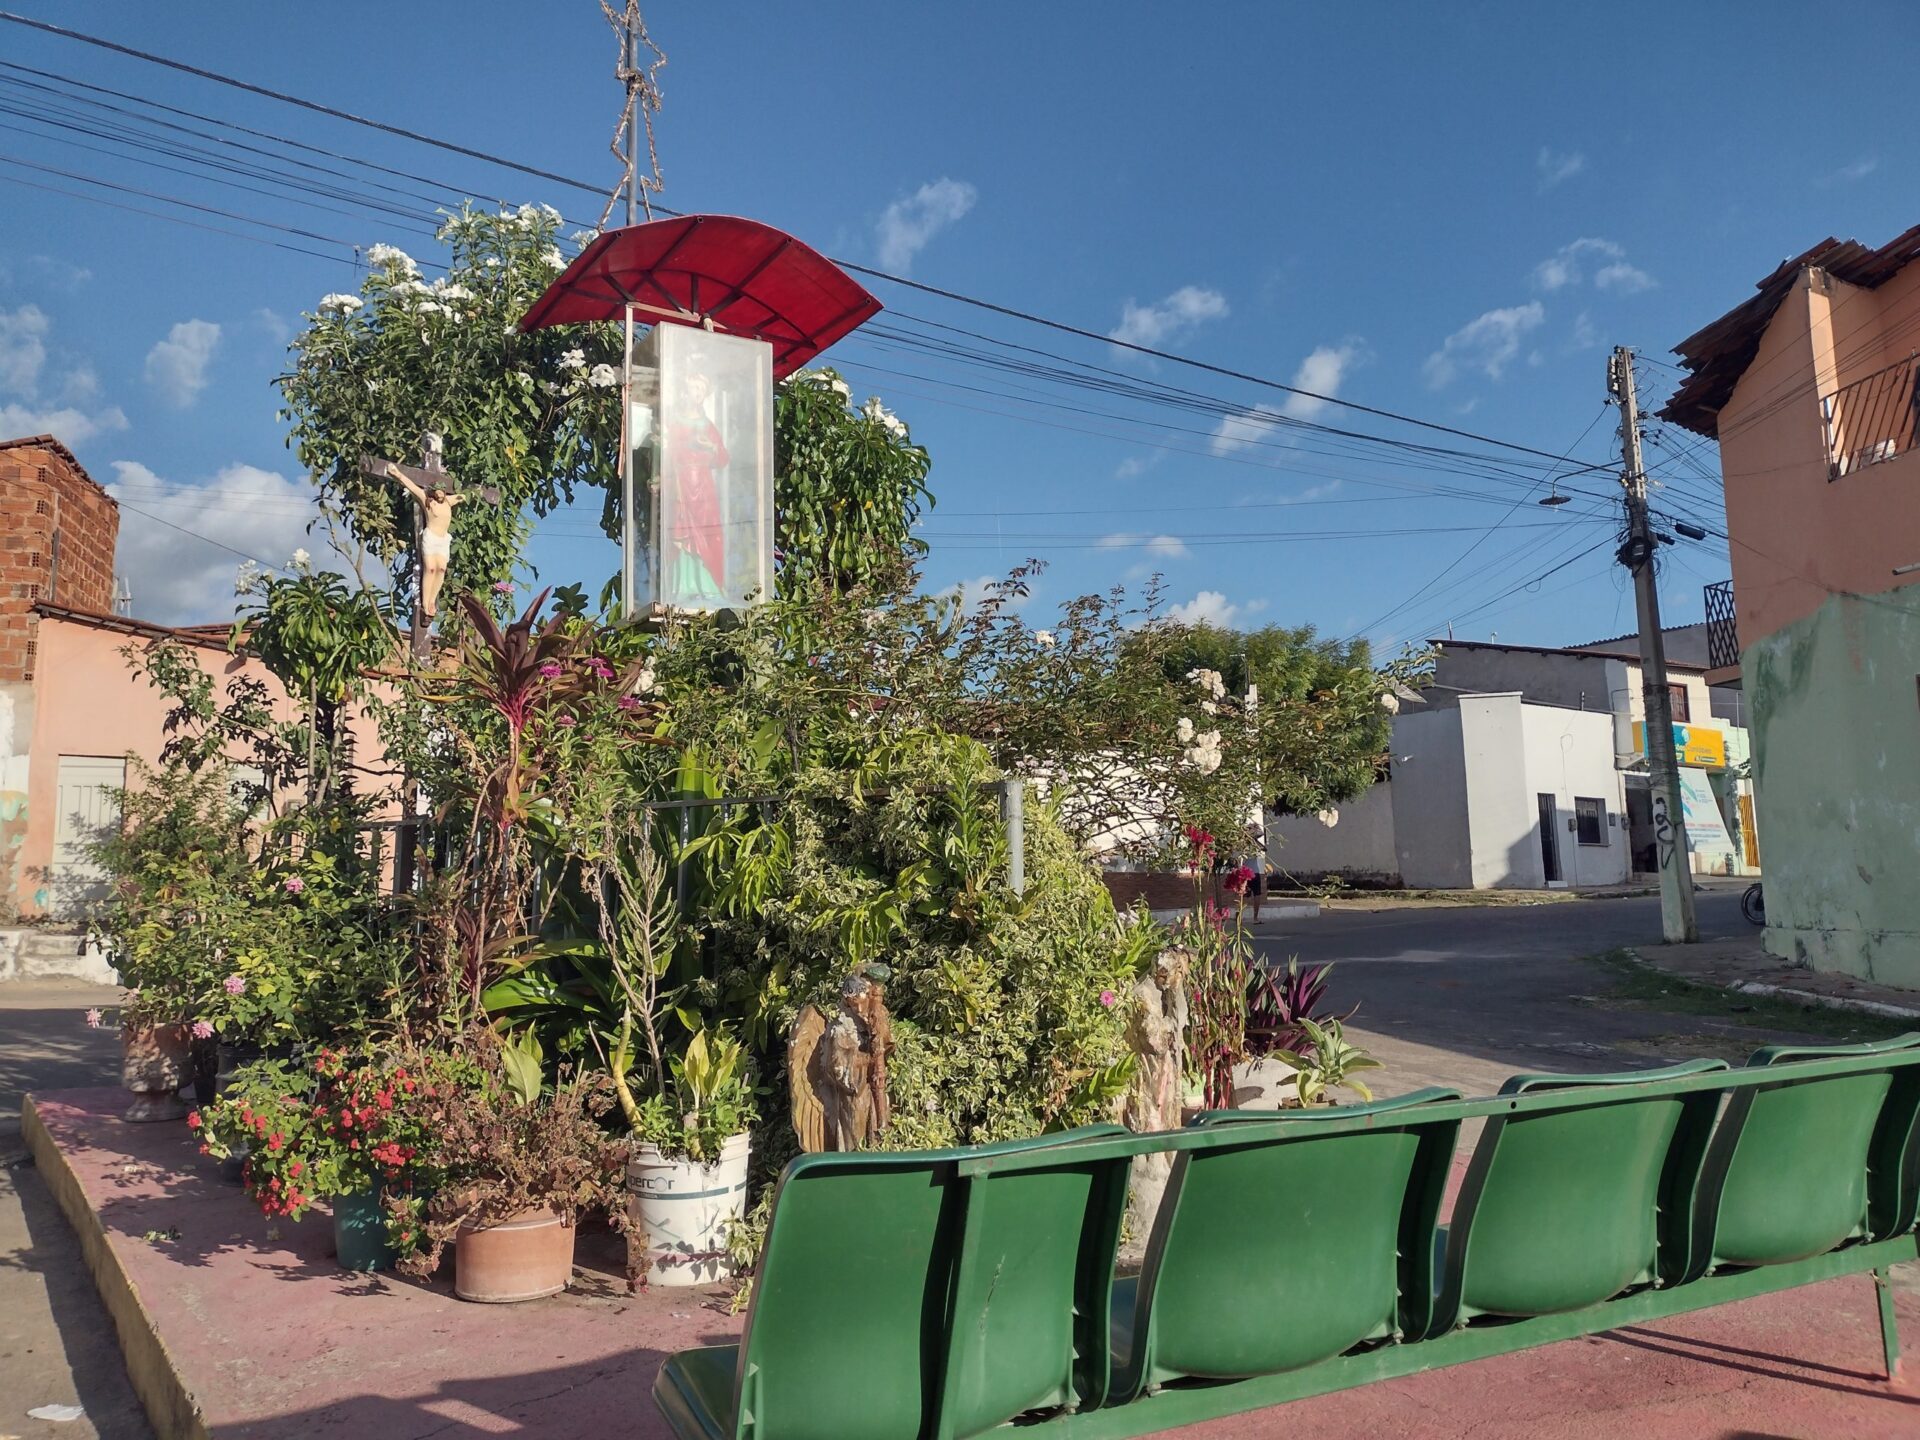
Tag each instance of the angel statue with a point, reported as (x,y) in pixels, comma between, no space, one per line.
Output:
(837,1069)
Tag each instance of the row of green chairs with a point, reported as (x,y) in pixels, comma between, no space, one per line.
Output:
(943,1294)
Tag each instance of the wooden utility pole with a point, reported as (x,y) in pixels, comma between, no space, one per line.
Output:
(1678,923)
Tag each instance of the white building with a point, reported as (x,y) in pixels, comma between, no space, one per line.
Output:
(1464,778)
(1488,792)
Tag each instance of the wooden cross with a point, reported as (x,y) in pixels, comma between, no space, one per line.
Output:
(428,478)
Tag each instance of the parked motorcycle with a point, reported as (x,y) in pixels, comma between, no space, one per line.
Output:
(1753,905)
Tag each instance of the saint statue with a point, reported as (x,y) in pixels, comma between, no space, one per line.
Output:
(837,1070)
(698,565)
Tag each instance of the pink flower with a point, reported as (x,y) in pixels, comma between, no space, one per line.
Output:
(1109,999)
(293,884)
(600,668)
(234,985)
(93,1019)
(629,702)
(550,671)
(202,1030)
(503,587)
(563,720)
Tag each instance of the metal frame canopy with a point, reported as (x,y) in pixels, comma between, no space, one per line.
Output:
(715,271)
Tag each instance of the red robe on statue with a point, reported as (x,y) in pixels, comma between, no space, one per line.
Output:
(699,452)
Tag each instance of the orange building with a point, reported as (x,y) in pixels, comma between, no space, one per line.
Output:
(1812,389)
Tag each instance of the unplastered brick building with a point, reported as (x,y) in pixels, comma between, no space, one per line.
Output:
(58,529)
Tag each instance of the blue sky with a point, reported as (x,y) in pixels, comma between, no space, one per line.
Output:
(1447,212)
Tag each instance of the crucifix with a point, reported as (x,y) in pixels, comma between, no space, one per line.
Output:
(435,493)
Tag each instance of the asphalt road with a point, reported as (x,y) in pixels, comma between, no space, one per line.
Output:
(57,1345)
(1504,984)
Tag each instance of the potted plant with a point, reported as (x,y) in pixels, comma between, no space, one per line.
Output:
(347,1131)
(687,1176)
(514,1166)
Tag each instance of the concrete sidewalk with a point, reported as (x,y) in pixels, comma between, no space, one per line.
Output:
(1744,964)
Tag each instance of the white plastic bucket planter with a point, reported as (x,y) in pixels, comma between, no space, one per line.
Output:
(683,1209)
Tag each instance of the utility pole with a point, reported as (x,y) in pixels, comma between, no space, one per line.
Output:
(1678,923)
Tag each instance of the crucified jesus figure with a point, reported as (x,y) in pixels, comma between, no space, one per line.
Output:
(436,504)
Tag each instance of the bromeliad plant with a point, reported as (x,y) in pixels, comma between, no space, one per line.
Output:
(1328,1062)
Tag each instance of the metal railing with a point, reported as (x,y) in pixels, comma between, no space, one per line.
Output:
(1873,419)
(1723,636)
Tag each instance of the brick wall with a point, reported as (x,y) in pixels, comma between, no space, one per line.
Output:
(43,494)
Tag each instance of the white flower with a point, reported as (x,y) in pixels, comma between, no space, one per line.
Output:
(1043,638)
(551,215)
(1328,817)
(603,377)
(301,559)
(492,262)
(839,387)
(391,257)
(574,360)
(584,238)
(1184,731)
(345,304)
(553,257)
(1209,707)
(644,685)
(243,577)
(895,427)
(452,292)
(433,307)
(1390,703)
(408,287)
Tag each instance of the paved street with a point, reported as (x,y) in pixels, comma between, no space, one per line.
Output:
(56,1344)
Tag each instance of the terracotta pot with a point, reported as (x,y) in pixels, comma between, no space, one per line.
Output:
(521,1258)
(153,1065)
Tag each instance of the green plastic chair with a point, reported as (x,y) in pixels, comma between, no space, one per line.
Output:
(900,1298)
(1279,1246)
(1567,1205)
(1847,1141)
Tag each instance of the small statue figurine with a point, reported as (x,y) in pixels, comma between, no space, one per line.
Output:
(837,1070)
(1157,1036)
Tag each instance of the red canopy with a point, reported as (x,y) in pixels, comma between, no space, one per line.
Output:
(748,278)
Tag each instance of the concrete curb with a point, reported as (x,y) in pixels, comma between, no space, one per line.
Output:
(156,1379)
(1831,1002)
(1269,911)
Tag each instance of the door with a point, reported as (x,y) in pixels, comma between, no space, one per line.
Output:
(1549,840)
(1749,836)
(86,807)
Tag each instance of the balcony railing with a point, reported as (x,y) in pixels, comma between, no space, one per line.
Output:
(1723,639)
(1873,419)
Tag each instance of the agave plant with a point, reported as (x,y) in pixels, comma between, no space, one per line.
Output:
(1328,1062)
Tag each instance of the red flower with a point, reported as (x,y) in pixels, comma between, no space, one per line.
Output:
(296,1167)
(346,1119)
(1238,880)
(193,1121)
(276,1141)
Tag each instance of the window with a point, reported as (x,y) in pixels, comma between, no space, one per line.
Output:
(1590,819)
(1677,698)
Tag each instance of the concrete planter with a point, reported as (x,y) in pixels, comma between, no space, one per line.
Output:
(523,1257)
(1263,1084)
(153,1065)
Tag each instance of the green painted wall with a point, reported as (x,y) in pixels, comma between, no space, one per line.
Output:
(1836,739)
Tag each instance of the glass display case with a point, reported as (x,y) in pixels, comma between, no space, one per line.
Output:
(700,428)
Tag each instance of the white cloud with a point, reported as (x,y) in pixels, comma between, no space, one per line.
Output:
(1321,373)
(1210,607)
(177,365)
(64,423)
(23,349)
(1567,267)
(1556,166)
(972,592)
(1168,547)
(275,324)
(176,578)
(1853,170)
(1623,278)
(1134,466)
(1170,319)
(1488,343)
(905,226)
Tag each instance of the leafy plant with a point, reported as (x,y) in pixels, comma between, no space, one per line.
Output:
(1278,1001)
(1216,1000)
(495,1155)
(1328,1062)
(707,1100)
